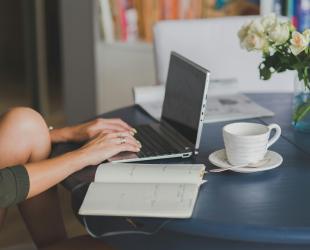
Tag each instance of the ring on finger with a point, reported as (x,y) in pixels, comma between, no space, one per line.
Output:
(122,140)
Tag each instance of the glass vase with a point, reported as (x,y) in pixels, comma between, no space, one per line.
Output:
(301,106)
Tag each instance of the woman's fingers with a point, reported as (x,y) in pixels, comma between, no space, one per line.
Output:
(90,130)
(104,146)
(126,140)
(120,134)
(118,139)
(118,122)
(122,138)
(111,126)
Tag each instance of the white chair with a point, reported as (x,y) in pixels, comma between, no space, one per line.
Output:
(214,44)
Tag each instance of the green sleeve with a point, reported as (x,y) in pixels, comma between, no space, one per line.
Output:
(14,185)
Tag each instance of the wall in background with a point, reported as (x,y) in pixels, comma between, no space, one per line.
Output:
(78,59)
(119,68)
(11,38)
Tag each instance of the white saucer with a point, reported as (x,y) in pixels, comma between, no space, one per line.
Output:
(271,160)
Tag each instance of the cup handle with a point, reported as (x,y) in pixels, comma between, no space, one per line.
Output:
(276,135)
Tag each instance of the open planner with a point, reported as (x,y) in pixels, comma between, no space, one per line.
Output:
(144,190)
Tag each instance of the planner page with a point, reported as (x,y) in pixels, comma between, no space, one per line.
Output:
(159,173)
(140,199)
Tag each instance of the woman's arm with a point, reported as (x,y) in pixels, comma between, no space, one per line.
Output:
(47,173)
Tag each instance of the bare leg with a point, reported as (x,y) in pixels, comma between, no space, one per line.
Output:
(24,137)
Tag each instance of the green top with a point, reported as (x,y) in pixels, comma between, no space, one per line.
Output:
(14,185)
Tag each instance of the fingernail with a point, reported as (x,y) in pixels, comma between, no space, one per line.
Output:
(134,130)
(132,133)
(138,142)
(138,149)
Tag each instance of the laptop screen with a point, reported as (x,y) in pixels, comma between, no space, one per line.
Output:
(184,96)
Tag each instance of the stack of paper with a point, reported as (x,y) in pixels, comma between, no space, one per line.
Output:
(224,102)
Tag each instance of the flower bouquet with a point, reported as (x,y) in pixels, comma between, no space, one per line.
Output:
(283,48)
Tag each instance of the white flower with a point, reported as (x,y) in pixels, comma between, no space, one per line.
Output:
(254,41)
(252,36)
(243,32)
(306,33)
(299,42)
(279,33)
(256,27)
(268,22)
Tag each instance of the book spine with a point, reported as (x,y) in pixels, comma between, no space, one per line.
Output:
(171,9)
(293,13)
(303,15)
(191,10)
(290,12)
(183,7)
(132,24)
(147,7)
(107,21)
(266,7)
(175,9)
(137,4)
(277,7)
(284,7)
(290,8)
(122,19)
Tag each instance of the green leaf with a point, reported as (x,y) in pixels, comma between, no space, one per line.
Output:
(301,112)
(264,72)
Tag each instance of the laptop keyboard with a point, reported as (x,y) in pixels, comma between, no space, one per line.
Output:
(153,143)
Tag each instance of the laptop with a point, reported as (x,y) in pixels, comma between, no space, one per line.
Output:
(178,132)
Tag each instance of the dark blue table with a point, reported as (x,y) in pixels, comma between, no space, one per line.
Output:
(267,210)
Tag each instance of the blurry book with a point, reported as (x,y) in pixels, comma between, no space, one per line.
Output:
(278,5)
(144,190)
(266,7)
(132,25)
(224,103)
(303,14)
(106,20)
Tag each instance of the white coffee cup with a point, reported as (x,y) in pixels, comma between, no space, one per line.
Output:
(247,143)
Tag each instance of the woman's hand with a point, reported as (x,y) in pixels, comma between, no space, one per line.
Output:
(89,130)
(105,146)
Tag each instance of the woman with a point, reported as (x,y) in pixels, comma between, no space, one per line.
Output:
(28,178)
